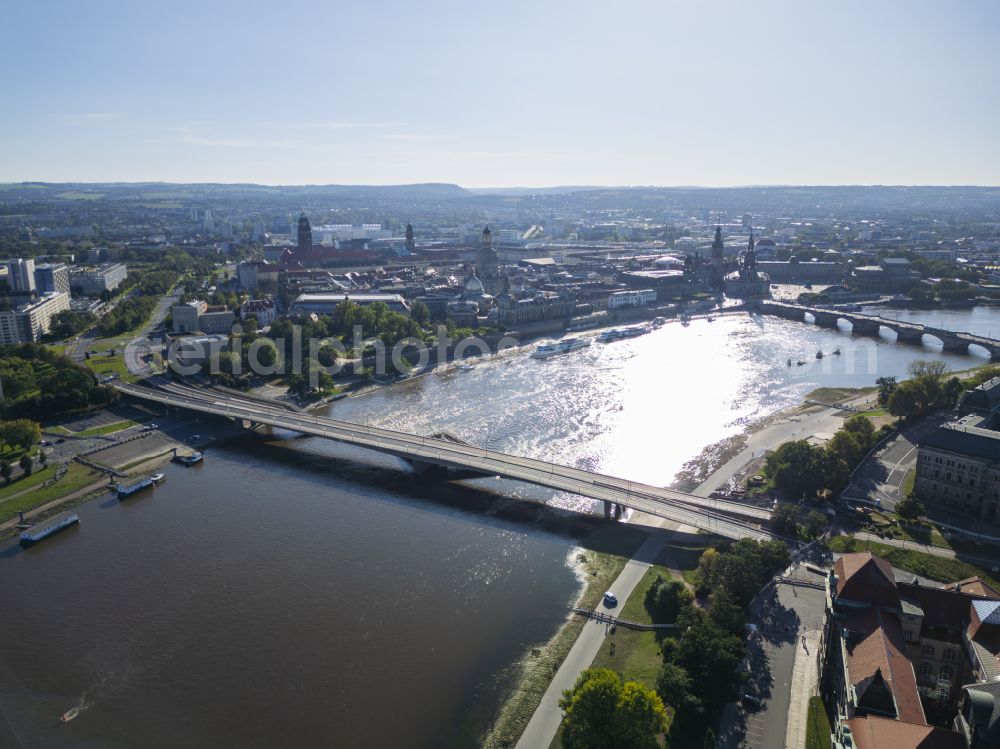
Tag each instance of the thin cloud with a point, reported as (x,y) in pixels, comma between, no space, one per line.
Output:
(196,138)
(88,118)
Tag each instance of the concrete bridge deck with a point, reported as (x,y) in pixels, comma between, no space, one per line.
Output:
(716,516)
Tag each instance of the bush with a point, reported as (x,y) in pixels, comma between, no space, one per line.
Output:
(665,599)
(909,508)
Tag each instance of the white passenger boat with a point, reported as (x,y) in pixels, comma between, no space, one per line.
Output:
(559,347)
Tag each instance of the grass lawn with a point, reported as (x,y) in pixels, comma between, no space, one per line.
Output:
(908,482)
(927,565)
(107,428)
(871,412)
(817,725)
(105,365)
(637,654)
(836,395)
(76,477)
(26,482)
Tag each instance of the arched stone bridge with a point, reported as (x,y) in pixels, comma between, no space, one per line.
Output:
(871,325)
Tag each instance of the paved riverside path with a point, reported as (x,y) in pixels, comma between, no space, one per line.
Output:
(712,515)
(795,425)
(544,723)
(805,680)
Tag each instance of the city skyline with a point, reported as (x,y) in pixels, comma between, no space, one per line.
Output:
(518,96)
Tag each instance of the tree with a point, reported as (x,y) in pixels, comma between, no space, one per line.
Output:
(26,464)
(747,565)
(815,524)
(905,402)
(924,369)
(862,428)
(43,458)
(5,471)
(665,599)
(600,712)
(846,446)
(420,313)
(886,386)
(20,433)
(909,508)
(674,685)
(784,519)
(796,469)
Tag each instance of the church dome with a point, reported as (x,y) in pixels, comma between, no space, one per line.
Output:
(474,285)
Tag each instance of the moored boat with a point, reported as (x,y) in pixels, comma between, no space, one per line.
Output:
(559,347)
(127,490)
(46,528)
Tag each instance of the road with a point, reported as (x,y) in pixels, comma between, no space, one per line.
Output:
(665,503)
(882,475)
(783,617)
(138,347)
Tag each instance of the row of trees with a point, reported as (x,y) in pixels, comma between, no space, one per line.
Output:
(21,433)
(70,322)
(926,391)
(154,283)
(701,666)
(701,661)
(26,463)
(128,314)
(38,383)
(798,469)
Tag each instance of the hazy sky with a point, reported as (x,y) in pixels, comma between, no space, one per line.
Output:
(501,93)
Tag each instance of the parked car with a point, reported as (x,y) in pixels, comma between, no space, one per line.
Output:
(750,702)
(610,599)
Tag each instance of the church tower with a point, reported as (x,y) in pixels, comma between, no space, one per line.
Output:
(488,265)
(717,246)
(411,244)
(305,236)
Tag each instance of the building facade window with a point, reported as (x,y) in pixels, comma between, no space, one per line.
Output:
(945,674)
(928,651)
(926,669)
(948,654)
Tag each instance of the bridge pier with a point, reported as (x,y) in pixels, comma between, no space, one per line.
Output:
(913,336)
(618,512)
(826,319)
(865,328)
(955,345)
(607,510)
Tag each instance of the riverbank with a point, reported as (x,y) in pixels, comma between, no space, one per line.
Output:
(71,482)
(531,675)
(715,464)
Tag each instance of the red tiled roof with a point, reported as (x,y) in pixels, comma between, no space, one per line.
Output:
(865,577)
(975,586)
(876,644)
(942,607)
(873,732)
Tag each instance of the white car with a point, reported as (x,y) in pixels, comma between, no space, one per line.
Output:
(610,599)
